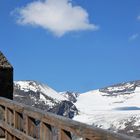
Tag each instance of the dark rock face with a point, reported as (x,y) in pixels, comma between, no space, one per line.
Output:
(66,109)
(6,78)
(130,128)
(33,98)
(71,96)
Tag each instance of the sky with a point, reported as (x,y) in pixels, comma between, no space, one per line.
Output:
(72,45)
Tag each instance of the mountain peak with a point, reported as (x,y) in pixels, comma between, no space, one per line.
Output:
(115,107)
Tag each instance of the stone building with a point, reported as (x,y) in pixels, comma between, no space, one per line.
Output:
(6,78)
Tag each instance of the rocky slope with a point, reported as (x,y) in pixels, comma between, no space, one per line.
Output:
(115,107)
(71,96)
(43,97)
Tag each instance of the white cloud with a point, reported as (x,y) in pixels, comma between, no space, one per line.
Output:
(57,16)
(134,36)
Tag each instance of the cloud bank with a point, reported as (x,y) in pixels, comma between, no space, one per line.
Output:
(56,16)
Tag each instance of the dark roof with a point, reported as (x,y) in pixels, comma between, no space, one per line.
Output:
(4,62)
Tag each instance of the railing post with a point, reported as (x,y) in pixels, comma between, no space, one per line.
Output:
(6,78)
(8,120)
(26,124)
(64,135)
(45,131)
(18,121)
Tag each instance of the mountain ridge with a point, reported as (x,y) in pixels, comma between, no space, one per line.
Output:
(115,107)
(43,97)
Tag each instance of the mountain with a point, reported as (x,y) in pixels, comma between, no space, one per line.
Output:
(43,97)
(116,107)
(71,96)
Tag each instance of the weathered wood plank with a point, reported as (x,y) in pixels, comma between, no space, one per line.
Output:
(5,115)
(2,112)
(11,104)
(15,119)
(18,121)
(64,135)
(80,129)
(32,128)
(10,117)
(2,117)
(15,132)
(8,136)
(2,132)
(15,138)
(45,132)
(25,120)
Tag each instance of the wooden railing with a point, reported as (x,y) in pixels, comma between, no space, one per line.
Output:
(22,122)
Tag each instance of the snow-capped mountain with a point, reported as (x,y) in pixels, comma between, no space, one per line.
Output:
(115,107)
(71,96)
(42,96)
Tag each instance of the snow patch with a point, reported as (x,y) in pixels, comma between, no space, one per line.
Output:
(95,108)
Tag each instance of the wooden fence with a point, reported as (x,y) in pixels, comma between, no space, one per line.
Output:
(22,122)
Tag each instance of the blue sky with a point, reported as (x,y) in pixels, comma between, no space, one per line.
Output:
(100,48)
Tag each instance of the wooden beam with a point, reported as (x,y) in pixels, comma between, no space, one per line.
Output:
(15,132)
(10,117)
(45,132)
(32,128)
(26,125)
(18,121)
(8,136)
(77,128)
(64,135)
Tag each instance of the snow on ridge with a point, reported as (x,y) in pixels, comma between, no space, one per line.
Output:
(110,119)
(38,87)
(51,92)
(121,87)
(26,86)
(98,101)
(48,102)
(98,109)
